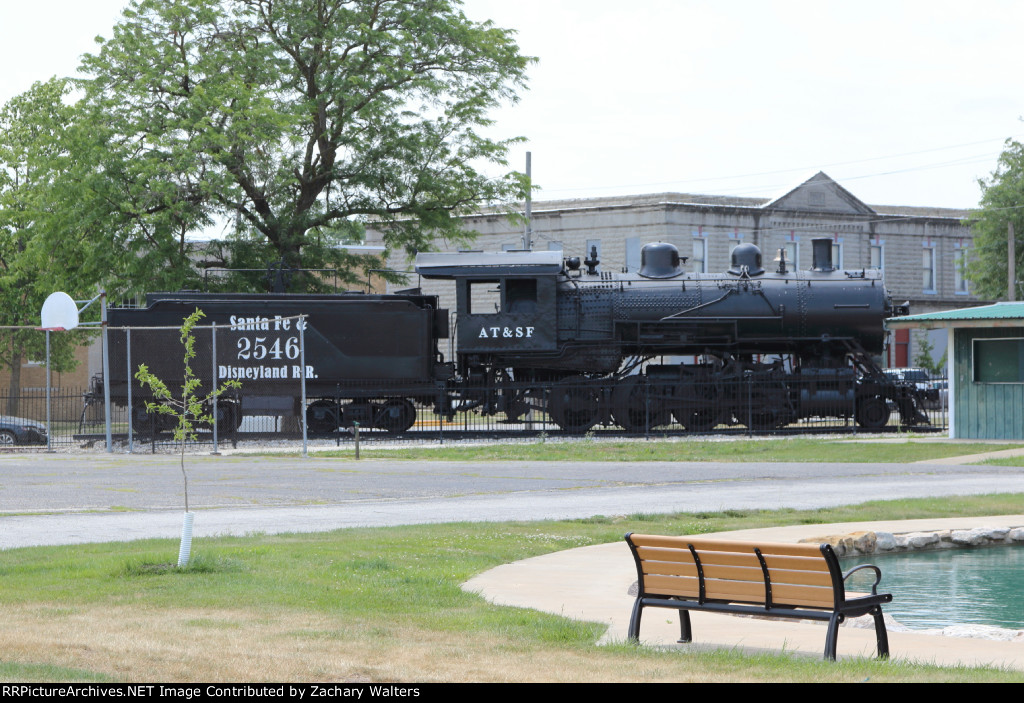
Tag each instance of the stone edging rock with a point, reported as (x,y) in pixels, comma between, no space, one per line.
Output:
(867,542)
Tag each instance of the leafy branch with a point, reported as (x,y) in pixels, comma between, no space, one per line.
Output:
(189,409)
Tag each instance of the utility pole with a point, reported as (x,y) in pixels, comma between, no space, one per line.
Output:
(528,233)
(1011,261)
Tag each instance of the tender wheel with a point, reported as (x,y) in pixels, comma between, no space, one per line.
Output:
(144,422)
(323,416)
(397,415)
(229,416)
(573,404)
(7,438)
(872,412)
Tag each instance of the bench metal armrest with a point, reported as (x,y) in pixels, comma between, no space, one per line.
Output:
(878,576)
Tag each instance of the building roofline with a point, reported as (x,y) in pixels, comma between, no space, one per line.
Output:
(696,200)
(1002,314)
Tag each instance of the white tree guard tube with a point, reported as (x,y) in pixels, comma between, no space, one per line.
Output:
(185,550)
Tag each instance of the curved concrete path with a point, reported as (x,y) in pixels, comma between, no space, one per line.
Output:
(592,583)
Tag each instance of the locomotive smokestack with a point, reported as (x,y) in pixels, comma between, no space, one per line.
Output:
(822,254)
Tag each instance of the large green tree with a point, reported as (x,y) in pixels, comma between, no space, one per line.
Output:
(1002,203)
(293,123)
(35,258)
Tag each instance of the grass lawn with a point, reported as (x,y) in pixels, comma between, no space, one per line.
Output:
(784,449)
(376,605)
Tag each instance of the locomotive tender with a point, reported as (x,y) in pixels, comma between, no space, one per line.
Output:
(365,344)
(536,332)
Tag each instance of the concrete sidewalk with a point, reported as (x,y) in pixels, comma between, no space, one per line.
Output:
(591,583)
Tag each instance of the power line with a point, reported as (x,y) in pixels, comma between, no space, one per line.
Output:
(976,158)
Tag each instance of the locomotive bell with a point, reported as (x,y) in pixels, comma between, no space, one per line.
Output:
(660,260)
(746,258)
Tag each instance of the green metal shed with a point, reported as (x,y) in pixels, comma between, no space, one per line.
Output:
(986,367)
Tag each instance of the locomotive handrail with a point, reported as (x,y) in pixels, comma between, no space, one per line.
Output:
(730,292)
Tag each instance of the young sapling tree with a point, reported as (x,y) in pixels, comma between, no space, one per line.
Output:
(188,410)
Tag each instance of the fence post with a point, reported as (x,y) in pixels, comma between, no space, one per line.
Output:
(647,405)
(855,406)
(106,370)
(337,406)
(131,410)
(302,373)
(213,382)
(49,430)
(442,393)
(750,405)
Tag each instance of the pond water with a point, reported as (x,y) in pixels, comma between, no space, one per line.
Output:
(932,589)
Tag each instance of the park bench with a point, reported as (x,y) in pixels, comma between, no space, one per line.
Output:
(797,581)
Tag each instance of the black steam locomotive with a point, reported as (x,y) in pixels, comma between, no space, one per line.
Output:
(536,333)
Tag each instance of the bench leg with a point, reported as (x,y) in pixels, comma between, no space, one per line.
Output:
(832,636)
(634,621)
(881,636)
(685,633)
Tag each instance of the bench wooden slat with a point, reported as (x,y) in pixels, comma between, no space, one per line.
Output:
(778,576)
(801,578)
(670,569)
(743,591)
(810,596)
(715,589)
(713,545)
(672,585)
(803,563)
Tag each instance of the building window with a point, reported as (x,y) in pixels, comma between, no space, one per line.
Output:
(875,258)
(699,261)
(837,255)
(632,254)
(928,269)
(998,360)
(959,268)
(792,250)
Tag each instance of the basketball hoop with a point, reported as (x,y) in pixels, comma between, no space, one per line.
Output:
(59,314)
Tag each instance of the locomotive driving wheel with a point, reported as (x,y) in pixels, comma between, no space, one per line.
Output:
(700,409)
(397,415)
(635,410)
(765,419)
(573,404)
(769,411)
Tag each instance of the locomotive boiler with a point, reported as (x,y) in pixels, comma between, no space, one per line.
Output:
(747,346)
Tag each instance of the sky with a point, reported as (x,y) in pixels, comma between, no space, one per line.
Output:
(903,103)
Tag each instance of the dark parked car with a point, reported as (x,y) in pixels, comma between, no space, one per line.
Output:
(933,390)
(18,430)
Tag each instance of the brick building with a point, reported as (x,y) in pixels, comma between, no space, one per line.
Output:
(917,248)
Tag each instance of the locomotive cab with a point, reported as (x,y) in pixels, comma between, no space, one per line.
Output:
(505,301)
